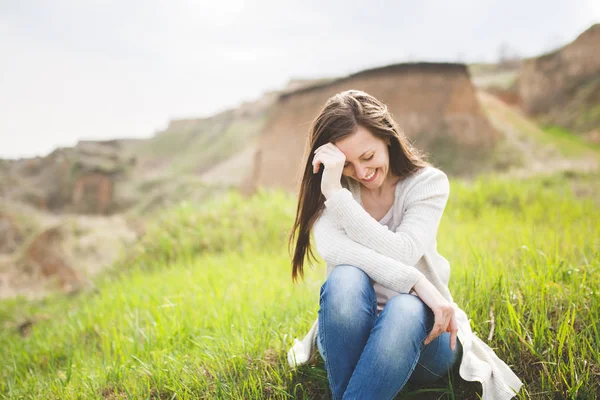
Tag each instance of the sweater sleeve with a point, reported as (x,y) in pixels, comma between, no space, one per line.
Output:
(336,248)
(423,208)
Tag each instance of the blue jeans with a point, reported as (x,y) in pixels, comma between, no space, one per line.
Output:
(372,357)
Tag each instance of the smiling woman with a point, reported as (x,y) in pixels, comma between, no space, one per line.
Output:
(386,314)
(369,167)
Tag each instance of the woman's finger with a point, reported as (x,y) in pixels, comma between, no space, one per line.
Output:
(453,327)
(323,158)
(323,147)
(328,158)
(316,163)
(323,150)
(432,335)
(438,328)
(329,152)
(331,149)
(441,324)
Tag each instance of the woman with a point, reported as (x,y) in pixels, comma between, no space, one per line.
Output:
(386,314)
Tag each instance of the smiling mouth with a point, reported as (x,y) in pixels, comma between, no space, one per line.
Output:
(371,177)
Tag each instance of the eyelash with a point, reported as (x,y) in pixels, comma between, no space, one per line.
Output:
(366,159)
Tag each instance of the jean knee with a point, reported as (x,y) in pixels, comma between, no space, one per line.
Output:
(409,311)
(347,289)
(346,278)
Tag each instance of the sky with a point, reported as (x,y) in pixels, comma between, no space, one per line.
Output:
(104,69)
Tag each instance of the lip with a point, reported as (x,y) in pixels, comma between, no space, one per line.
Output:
(373,178)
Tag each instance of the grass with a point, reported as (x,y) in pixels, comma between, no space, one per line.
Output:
(565,136)
(204,306)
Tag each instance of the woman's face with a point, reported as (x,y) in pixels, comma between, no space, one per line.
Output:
(367,158)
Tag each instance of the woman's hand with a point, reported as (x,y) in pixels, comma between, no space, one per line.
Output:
(333,160)
(445,320)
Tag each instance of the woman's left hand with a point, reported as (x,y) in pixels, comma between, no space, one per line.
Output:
(443,312)
(332,158)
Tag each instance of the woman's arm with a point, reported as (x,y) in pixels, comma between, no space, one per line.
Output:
(336,248)
(424,206)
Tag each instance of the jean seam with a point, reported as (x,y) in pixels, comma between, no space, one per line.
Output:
(436,351)
(423,323)
(327,362)
(430,371)
(411,368)
(452,365)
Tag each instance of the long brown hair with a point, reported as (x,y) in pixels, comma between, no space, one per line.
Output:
(340,117)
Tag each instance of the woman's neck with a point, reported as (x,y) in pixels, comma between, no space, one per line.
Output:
(387,187)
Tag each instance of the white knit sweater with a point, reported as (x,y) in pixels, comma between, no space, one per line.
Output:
(396,259)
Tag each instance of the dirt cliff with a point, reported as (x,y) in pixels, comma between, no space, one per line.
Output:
(81,179)
(563,87)
(41,252)
(434,103)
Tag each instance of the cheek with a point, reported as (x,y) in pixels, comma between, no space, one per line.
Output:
(385,161)
(378,162)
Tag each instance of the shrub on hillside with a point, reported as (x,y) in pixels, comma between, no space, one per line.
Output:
(231,223)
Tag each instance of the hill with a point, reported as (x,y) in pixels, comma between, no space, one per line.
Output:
(434,103)
(201,309)
(563,87)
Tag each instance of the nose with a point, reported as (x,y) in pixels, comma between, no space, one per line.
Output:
(361,172)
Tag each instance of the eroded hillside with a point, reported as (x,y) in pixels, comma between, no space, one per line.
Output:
(435,104)
(563,87)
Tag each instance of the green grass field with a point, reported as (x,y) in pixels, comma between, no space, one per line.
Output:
(204,306)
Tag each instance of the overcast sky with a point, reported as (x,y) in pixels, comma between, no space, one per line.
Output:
(79,69)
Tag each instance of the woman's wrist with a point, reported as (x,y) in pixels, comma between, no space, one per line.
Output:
(428,293)
(329,192)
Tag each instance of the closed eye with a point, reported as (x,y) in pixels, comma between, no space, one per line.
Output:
(365,159)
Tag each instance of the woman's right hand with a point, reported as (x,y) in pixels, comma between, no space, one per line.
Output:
(332,159)
(445,320)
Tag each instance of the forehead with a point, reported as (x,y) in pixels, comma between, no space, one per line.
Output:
(358,143)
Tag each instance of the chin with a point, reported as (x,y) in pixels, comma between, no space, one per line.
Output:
(379,179)
(374,184)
